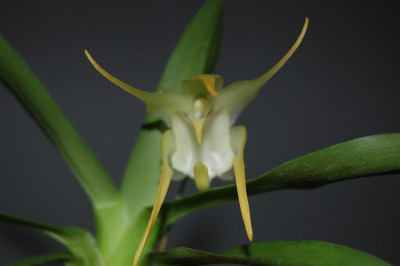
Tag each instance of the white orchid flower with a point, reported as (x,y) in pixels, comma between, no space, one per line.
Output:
(201,141)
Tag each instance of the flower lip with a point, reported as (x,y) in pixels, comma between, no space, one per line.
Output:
(215,149)
(201,178)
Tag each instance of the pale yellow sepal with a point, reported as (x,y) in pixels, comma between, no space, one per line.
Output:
(236,96)
(201,177)
(142,95)
(167,147)
(163,103)
(239,135)
(264,78)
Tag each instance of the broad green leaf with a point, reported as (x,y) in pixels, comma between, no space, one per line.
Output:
(22,82)
(197,50)
(363,157)
(281,253)
(195,53)
(65,257)
(79,242)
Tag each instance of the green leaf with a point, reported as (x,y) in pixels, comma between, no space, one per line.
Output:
(197,50)
(46,258)
(281,253)
(22,82)
(363,157)
(194,54)
(79,242)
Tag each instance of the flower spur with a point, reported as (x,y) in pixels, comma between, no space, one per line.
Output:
(201,142)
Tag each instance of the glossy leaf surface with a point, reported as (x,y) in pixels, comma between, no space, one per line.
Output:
(280,253)
(362,157)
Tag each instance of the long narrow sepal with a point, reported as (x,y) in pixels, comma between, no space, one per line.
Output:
(162,104)
(239,135)
(238,95)
(167,147)
(264,78)
(142,95)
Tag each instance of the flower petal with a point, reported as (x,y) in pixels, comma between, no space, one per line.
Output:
(238,135)
(216,151)
(187,148)
(167,147)
(162,104)
(238,94)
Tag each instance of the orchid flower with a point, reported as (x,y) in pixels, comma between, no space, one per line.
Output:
(201,141)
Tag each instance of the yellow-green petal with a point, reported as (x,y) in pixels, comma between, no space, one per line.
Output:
(237,95)
(162,103)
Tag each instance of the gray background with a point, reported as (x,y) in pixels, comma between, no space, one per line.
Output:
(341,84)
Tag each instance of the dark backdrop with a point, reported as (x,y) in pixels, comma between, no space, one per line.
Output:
(341,84)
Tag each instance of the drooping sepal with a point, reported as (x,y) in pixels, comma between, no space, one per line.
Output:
(167,147)
(238,140)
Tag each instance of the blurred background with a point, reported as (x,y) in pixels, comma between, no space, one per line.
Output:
(341,84)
